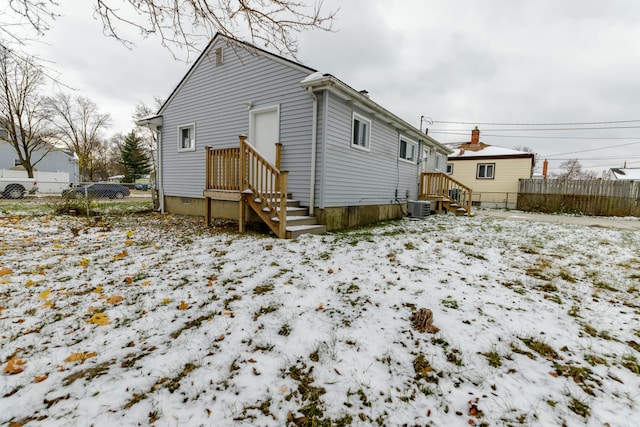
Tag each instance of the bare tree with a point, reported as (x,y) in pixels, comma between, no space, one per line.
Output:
(24,116)
(528,150)
(80,125)
(572,170)
(180,25)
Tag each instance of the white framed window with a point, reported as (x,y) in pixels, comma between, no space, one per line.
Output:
(187,137)
(485,170)
(361,133)
(408,150)
(449,168)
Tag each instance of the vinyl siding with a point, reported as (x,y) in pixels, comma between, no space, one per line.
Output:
(354,177)
(215,100)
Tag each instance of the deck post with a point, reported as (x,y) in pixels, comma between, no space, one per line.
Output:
(282,217)
(278,154)
(243,184)
(208,173)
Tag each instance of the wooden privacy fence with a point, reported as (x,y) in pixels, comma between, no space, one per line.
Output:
(589,197)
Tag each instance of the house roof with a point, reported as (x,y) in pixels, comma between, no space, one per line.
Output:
(320,81)
(314,80)
(469,150)
(632,174)
(232,41)
(476,149)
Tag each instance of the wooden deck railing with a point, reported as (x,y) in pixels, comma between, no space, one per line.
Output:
(266,183)
(223,169)
(438,184)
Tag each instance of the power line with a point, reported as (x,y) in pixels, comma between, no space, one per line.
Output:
(535,124)
(548,129)
(593,149)
(530,136)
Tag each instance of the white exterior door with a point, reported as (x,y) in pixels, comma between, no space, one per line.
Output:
(264,131)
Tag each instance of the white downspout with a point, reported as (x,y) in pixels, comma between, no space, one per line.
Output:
(159,171)
(314,142)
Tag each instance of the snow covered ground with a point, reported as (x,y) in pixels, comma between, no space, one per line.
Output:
(149,319)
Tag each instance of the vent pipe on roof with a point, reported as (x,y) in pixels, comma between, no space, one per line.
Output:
(365,93)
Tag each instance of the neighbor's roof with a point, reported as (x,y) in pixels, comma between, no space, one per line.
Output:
(466,150)
(632,174)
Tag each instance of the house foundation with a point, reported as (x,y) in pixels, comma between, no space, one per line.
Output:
(334,218)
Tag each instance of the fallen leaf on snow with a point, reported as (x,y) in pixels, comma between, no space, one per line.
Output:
(40,378)
(121,255)
(44,294)
(99,319)
(5,271)
(183,305)
(166,301)
(84,262)
(14,365)
(115,299)
(80,357)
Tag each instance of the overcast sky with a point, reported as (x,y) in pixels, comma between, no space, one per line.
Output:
(479,62)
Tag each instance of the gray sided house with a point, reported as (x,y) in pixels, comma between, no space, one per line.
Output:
(55,160)
(348,160)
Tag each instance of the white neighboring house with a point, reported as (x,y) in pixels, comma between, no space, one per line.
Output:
(626,174)
(55,172)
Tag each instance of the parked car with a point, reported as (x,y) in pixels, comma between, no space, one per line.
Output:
(99,189)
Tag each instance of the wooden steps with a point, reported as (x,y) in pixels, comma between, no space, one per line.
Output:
(298,220)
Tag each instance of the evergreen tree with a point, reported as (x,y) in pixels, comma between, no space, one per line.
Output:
(135,160)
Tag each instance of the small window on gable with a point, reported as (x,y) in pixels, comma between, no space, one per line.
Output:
(485,170)
(219,56)
(361,132)
(187,138)
(449,168)
(408,150)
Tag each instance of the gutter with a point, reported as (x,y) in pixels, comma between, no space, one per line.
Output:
(327,81)
(314,143)
(154,123)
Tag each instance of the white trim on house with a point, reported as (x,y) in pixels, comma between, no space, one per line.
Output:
(319,81)
(366,137)
(410,154)
(191,127)
(485,171)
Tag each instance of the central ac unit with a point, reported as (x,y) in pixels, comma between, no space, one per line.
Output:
(419,208)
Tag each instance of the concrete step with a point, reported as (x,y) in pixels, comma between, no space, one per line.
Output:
(298,220)
(296,230)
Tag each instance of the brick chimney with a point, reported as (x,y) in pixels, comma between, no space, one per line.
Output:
(475,136)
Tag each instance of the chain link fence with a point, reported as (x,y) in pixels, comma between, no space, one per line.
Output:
(87,198)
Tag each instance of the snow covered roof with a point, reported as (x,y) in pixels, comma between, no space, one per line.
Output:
(475,148)
(467,149)
(632,174)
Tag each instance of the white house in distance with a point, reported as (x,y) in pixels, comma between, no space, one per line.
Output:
(626,174)
(54,172)
(491,172)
